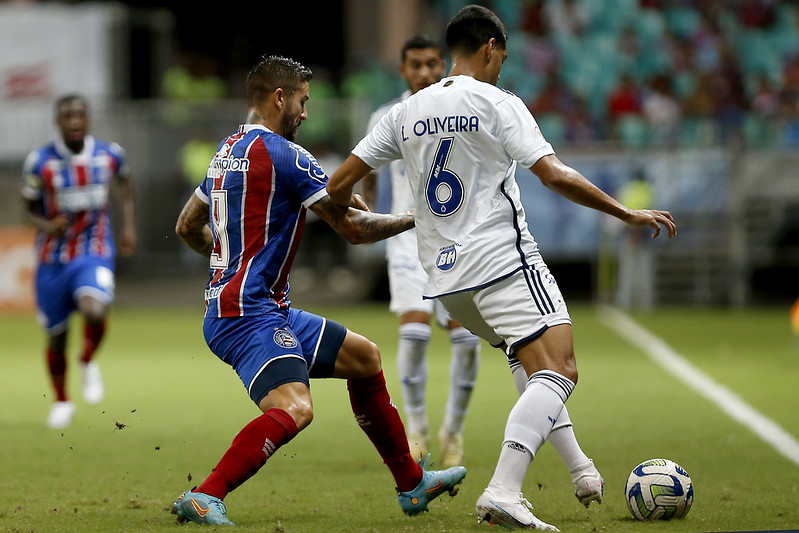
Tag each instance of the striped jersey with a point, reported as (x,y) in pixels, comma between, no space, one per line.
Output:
(76,185)
(460,140)
(258,188)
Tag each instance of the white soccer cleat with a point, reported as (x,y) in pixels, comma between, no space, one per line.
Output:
(451,448)
(419,443)
(93,390)
(588,485)
(509,510)
(61,414)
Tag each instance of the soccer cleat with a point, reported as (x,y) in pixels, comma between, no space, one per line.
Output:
(201,508)
(93,390)
(61,414)
(588,485)
(509,510)
(433,484)
(451,448)
(419,444)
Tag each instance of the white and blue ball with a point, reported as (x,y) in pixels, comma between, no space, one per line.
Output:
(659,489)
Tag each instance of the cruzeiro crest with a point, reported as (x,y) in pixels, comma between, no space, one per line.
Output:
(285,338)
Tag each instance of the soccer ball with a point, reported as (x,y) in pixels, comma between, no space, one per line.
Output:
(659,489)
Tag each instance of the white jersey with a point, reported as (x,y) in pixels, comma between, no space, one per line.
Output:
(460,140)
(401,247)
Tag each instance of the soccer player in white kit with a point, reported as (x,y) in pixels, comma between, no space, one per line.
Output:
(461,140)
(422,65)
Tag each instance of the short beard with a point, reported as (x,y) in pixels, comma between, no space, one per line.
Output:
(289,127)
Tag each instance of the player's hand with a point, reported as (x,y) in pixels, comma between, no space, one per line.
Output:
(57,226)
(127,241)
(358,202)
(653,218)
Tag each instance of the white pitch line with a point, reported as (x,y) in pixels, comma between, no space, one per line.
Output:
(723,398)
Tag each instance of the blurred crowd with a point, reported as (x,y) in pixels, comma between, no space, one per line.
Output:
(657,72)
(642,73)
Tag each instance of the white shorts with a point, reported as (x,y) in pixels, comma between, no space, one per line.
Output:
(407,279)
(513,310)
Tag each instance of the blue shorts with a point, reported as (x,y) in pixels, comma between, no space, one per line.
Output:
(280,347)
(58,287)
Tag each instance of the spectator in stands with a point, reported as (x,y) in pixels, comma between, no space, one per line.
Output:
(662,111)
(567,17)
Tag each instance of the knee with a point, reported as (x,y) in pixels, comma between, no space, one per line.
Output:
(302,415)
(93,310)
(372,363)
(300,411)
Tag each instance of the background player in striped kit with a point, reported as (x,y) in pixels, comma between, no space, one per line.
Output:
(66,191)
(461,140)
(257,191)
(421,65)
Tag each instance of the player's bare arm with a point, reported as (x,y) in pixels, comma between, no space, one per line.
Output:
(572,185)
(192,226)
(340,184)
(127,236)
(56,226)
(361,226)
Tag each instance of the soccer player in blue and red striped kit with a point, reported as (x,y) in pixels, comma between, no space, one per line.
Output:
(255,196)
(66,189)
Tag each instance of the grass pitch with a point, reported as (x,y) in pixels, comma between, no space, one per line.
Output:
(172,409)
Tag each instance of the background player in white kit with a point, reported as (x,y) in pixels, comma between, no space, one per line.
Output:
(461,140)
(421,65)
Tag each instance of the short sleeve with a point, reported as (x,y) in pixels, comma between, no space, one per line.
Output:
(380,146)
(304,174)
(123,170)
(519,133)
(31,180)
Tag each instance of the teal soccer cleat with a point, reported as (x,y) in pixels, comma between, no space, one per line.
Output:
(201,508)
(433,484)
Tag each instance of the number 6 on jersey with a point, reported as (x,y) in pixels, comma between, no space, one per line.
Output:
(444,188)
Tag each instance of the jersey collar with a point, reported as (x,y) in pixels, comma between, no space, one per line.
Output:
(66,153)
(244,128)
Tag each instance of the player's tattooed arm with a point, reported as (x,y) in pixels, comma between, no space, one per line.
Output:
(358,225)
(192,226)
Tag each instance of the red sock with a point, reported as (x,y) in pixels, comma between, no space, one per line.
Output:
(92,335)
(57,366)
(381,422)
(254,444)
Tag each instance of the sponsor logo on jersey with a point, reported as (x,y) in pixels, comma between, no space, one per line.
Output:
(213,292)
(82,198)
(219,165)
(449,124)
(285,338)
(446,258)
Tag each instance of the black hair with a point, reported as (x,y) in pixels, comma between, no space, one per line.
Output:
(419,42)
(61,100)
(274,72)
(472,27)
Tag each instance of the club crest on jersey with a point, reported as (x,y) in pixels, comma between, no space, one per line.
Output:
(446,258)
(285,338)
(307,163)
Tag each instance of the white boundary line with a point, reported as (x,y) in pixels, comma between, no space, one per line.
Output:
(726,400)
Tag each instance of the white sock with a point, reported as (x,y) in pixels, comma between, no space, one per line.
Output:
(412,367)
(529,423)
(564,441)
(462,374)
(520,376)
(562,435)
